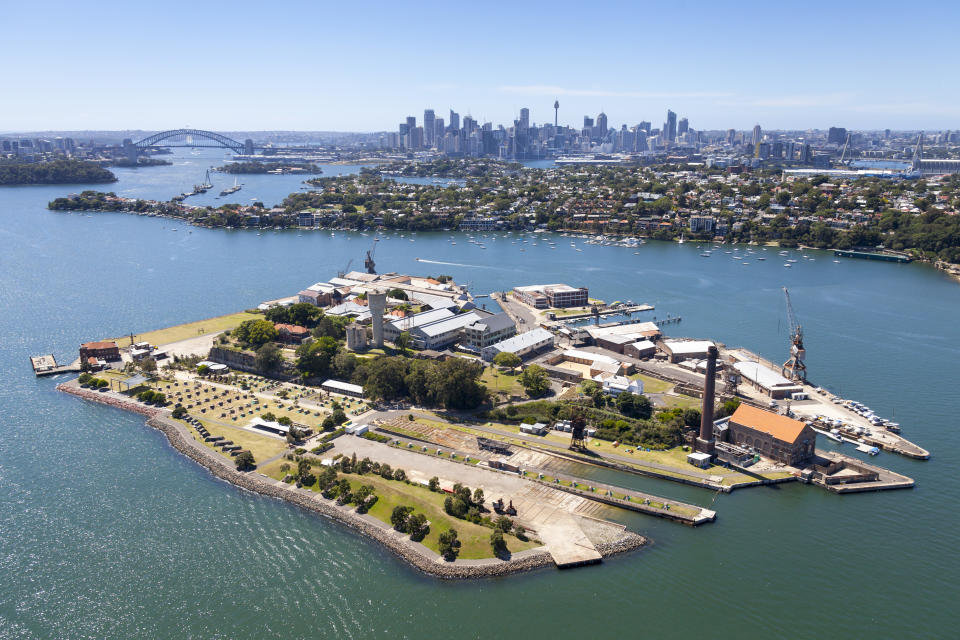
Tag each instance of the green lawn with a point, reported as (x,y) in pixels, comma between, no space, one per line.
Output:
(190,329)
(261,446)
(500,382)
(474,538)
(651,384)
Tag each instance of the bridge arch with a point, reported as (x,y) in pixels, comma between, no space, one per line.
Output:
(187,135)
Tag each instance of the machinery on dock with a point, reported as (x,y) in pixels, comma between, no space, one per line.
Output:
(578,424)
(794,368)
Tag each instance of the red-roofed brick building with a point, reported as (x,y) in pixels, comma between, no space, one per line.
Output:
(106,350)
(774,436)
(291,333)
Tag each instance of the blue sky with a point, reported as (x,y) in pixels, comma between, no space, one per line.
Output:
(364,66)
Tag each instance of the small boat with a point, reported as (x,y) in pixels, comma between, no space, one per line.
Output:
(787,265)
(761,258)
(705,254)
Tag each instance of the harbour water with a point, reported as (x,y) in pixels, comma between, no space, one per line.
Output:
(105,531)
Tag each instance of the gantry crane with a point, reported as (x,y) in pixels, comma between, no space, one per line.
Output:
(794,368)
(370,265)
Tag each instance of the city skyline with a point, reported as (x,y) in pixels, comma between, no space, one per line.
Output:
(348,69)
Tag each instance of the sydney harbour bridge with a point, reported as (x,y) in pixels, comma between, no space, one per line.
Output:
(196,138)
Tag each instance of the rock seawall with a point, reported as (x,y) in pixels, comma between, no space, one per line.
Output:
(413,553)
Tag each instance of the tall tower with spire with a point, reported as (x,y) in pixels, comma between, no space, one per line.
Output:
(556,113)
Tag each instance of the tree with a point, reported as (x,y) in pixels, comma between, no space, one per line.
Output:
(449,545)
(203,369)
(402,342)
(285,421)
(399,516)
(507,360)
(148,365)
(385,471)
(268,358)
(456,384)
(497,542)
(400,475)
(535,381)
(478,496)
(244,461)
(314,358)
(417,526)
(691,417)
(179,411)
(397,294)
(504,523)
(434,484)
(384,378)
(303,314)
(255,333)
(455,507)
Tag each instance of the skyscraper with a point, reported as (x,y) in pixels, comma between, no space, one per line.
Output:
(836,135)
(525,118)
(670,127)
(757,136)
(454,120)
(429,129)
(411,132)
(602,125)
(682,127)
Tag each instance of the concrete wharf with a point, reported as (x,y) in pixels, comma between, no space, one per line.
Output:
(633,500)
(886,479)
(47,366)
(637,308)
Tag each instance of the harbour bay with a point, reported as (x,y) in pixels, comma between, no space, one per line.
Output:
(107,527)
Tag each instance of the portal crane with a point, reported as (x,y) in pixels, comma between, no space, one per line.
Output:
(794,368)
(370,265)
(344,271)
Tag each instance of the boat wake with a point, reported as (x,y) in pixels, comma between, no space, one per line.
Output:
(453,264)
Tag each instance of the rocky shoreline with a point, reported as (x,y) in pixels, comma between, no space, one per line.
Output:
(413,553)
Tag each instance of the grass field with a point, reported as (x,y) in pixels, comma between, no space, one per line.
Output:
(651,384)
(474,538)
(262,447)
(498,382)
(190,329)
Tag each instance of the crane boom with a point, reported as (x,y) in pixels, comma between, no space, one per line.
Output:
(794,368)
(791,318)
(370,265)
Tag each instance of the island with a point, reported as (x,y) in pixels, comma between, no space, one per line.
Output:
(272,167)
(465,440)
(139,162)
(53,172)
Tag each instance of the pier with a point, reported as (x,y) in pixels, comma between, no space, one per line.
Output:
(47,366)
(626,311)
